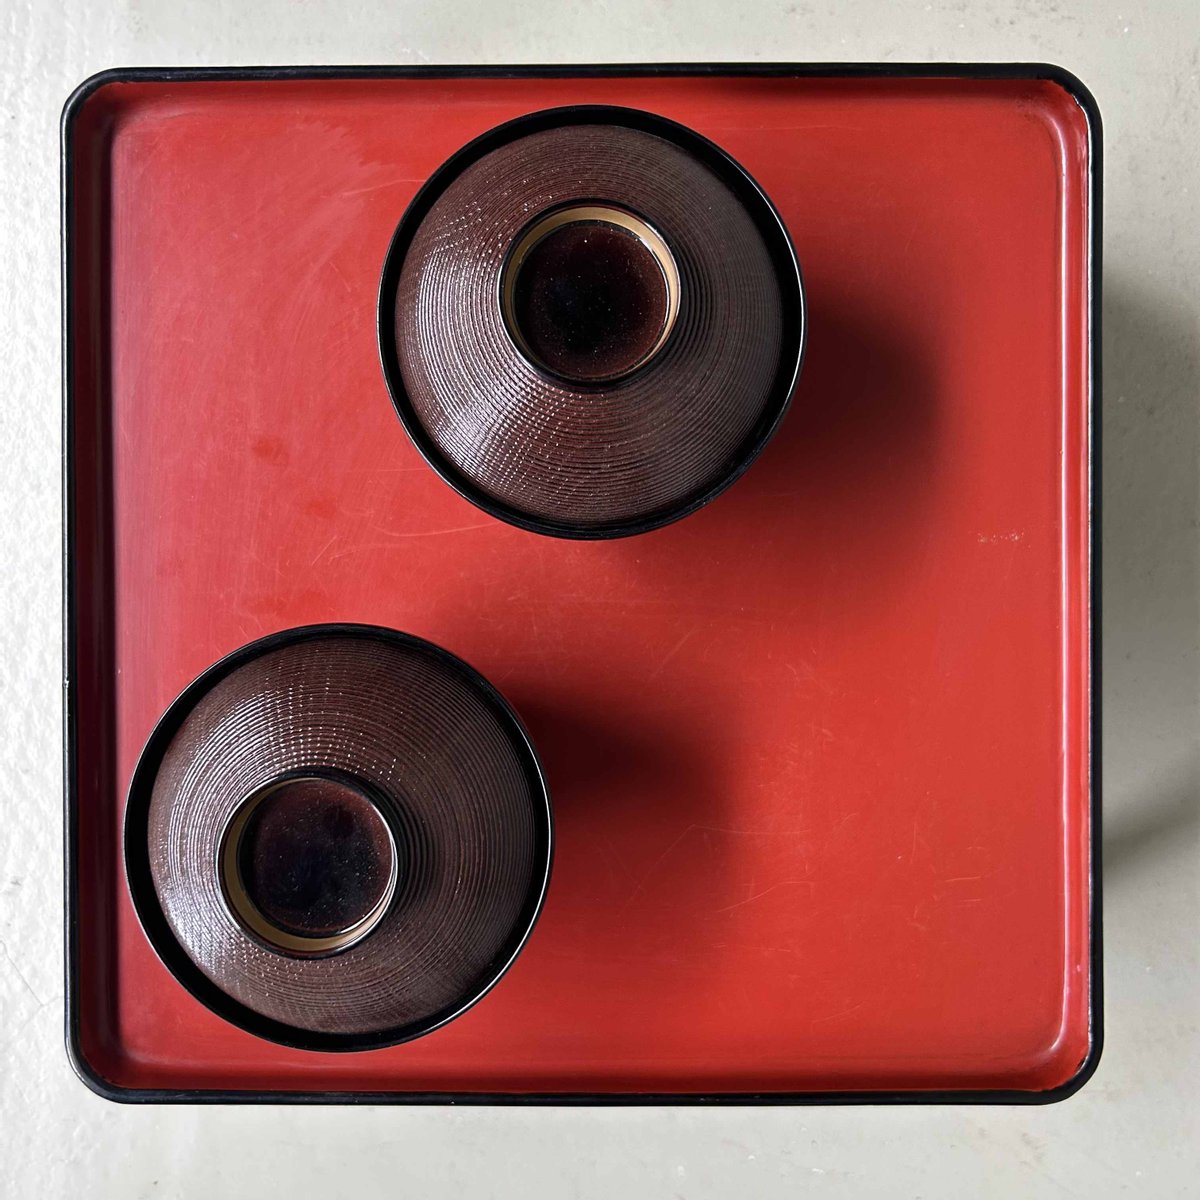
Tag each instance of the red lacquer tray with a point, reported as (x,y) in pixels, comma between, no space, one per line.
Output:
(821,755)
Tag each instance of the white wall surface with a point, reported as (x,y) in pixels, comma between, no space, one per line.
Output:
(1134,1128)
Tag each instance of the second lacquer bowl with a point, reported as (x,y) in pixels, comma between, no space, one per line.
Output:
(591,321)
(338,837)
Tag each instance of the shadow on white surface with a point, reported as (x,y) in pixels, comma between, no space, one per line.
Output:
(1151,577)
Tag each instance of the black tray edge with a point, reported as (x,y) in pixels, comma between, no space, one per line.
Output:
(1057,75)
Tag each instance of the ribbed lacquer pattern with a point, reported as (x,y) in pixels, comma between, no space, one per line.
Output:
(408,723)
(589,456)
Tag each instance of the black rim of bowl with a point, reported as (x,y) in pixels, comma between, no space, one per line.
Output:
(158,930)
(766,219)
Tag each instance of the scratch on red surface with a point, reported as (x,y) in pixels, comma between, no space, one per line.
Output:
(758,895)
(679,645)
(845,1012)
(400,535)
(655,865)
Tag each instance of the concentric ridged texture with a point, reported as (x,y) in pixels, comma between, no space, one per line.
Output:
(404,720)
(589,456)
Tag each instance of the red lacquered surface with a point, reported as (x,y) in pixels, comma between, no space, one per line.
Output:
(819,753)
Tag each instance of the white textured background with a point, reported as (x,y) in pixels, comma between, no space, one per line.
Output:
(1134,1127)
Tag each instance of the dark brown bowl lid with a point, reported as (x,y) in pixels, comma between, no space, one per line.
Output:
(338,837)
(591,321)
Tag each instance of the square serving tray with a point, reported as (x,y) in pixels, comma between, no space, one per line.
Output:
(823,755)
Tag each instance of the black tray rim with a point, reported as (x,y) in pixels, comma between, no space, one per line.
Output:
(971,71)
